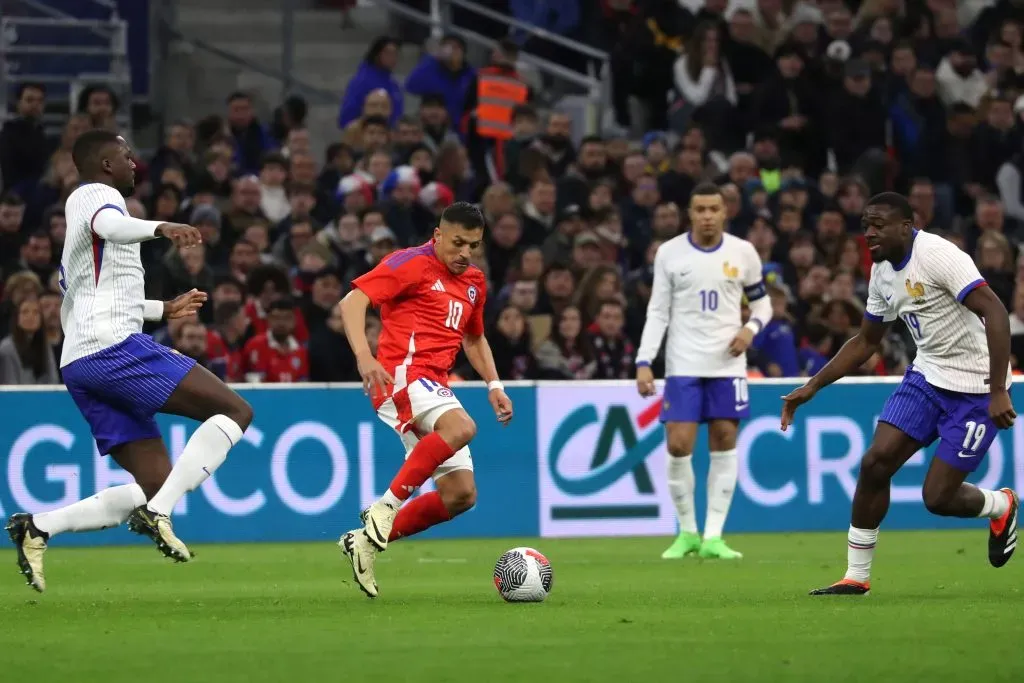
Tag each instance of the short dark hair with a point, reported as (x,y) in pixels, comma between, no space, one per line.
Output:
(592,140)
(29,85)
(376,120)
(464,214)
(39,235)
(372,208)
(706,190)
(525,111)
(894,202)
(610,302)
(243,243)
(11,198)
(273,159)
(263,275)
(238,95)
(230,280)
(285,304)
(89,146)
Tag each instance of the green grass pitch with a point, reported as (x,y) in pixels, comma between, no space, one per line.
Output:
(278,613)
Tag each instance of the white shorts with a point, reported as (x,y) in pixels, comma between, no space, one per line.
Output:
(413,410)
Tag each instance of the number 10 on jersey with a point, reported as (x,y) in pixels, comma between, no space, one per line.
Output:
(454,314)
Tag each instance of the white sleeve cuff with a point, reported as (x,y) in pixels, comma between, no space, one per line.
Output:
(152,310)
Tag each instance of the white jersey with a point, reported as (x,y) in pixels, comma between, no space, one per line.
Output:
(103,282)
(697,296)
(926,291)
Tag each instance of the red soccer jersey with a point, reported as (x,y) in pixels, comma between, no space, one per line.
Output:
(218,351)
(276,363)
(425,310)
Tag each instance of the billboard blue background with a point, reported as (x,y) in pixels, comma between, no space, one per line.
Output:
(315,455)
(335,452)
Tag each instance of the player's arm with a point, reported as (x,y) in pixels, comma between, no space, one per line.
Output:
(757,298)
(854,353)
(659,309)
(111,224)
(479,355)
(958,274)
(393,277)
(179,307)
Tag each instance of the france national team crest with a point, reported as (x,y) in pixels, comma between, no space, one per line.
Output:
(471,293)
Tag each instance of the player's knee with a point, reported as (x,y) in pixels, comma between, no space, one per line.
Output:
(458,431)
(877,466)
(679,446)
(241,413)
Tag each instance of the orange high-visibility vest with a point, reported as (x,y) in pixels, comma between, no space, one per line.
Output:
(498,93)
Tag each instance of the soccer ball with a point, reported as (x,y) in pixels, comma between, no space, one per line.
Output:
(523,575)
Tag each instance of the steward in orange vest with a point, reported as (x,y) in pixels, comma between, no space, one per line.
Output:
(490,99)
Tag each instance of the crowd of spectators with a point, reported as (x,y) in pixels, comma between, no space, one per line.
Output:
(798,110)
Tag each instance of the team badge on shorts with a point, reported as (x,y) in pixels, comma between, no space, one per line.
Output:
(471,293)
(445,392)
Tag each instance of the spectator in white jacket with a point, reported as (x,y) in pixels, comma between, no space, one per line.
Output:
(960,79)
(705,86)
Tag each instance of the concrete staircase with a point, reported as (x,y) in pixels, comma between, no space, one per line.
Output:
(326,57)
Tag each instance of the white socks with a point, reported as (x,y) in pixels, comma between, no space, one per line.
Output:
(108,508)
(204,453)
(721,485)
(859,552)
(996,504)
(391,500)
(680,487)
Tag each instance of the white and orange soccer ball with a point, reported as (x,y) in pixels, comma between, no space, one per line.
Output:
(523,575)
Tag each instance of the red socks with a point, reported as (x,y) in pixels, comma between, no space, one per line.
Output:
(419,515)
(426,457)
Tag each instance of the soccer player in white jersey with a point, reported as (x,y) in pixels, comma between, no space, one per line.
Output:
(700,280)
(120,378)
(956,391)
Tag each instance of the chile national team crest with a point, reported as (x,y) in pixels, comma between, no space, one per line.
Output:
(471,293)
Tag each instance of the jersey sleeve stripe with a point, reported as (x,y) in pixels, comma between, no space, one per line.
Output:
(873,317)
(97,241)
(970,288)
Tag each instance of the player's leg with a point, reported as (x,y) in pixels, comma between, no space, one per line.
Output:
(225,415)
(725,401)
(455,493)
(680,412)
(31,533)
(115,430)
(448,429)
(966,433)
(722,473)
(909,422)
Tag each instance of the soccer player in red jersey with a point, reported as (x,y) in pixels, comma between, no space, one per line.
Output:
(432,303)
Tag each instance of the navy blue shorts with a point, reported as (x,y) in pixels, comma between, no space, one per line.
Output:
(925,413)
(119,389)
(701,399)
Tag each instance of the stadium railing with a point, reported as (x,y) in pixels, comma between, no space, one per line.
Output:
(596,83)
(579,459)
(41,43)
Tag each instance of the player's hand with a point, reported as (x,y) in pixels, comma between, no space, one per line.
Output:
(1000,409)
(375,378)
(185,305)
(502,405)
(645,381)
(183,236)
(792,401)
(741,341)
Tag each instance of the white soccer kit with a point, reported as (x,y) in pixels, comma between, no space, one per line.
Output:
(926,291)
(697,297)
